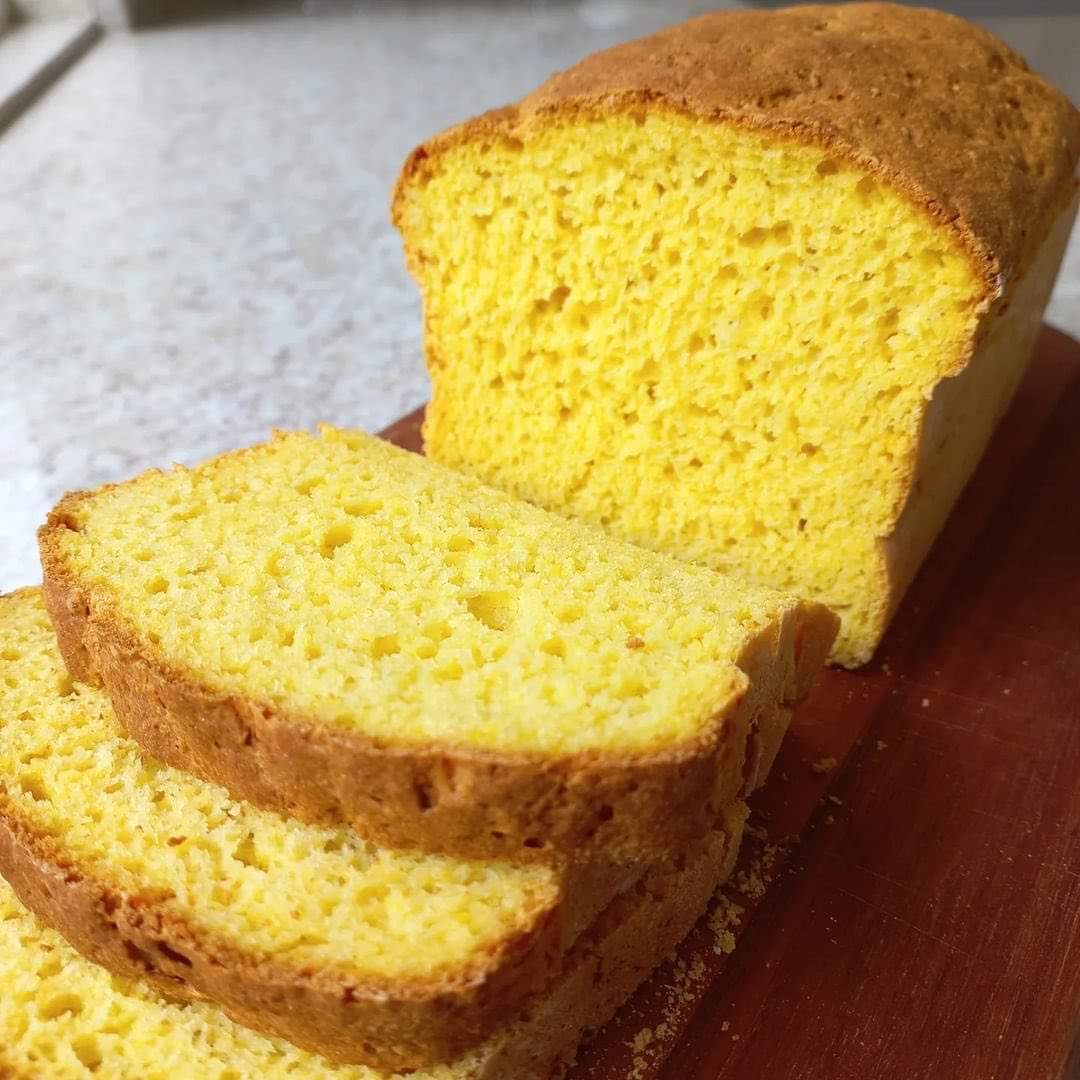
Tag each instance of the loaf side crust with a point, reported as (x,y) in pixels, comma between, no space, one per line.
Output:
(937,107)
(462,801)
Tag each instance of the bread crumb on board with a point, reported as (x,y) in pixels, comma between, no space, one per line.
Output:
(824,765)
(758,867)
(882,744)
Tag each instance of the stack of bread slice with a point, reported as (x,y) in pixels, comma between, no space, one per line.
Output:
(322,760)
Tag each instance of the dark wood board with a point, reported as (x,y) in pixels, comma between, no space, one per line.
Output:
(927,923)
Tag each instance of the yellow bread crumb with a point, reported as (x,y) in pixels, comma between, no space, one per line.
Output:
(717,337)
(303,895)
(339,578)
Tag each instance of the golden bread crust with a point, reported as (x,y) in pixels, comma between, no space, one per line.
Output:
(937,106)
(457,800)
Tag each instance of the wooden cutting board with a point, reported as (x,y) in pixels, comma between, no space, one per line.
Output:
(927,924)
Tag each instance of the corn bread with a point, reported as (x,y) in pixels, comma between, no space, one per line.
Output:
(754,290)
(343,631)
(64,1018)
(310,933)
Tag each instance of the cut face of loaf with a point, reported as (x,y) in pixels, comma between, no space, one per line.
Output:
(753,291)
(64,1018)
(343,631)
(310,933)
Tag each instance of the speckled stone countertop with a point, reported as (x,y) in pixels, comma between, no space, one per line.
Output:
(194,238)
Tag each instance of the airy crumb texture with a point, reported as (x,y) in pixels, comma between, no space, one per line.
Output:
(303,896)
(647,338)
(700,288)
(63,1018)
(341,631)
(348,581)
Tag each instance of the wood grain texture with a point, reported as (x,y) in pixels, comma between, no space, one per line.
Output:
(928,923)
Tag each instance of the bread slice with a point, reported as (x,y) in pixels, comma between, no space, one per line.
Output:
(392,958)
(337,629)
(754,290)
(64,1018)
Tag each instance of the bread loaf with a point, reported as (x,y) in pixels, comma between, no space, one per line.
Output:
(754,290)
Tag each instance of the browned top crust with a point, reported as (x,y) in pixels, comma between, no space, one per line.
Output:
(935,104)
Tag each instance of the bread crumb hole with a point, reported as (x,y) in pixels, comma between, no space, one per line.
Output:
(246,853)
(571,613)
(334,537)
(554,647)
(449,672)
(484,522)
(866,187)
(362,507)
(754,237)
(631,687)
(494,608)
(385,645)
(61,1005)
(33,785)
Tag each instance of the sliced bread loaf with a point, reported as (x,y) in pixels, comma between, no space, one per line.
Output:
(307,932)
(754,290)
(64,1018)
(343,631)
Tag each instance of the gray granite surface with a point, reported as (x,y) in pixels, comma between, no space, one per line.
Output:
(194,241)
